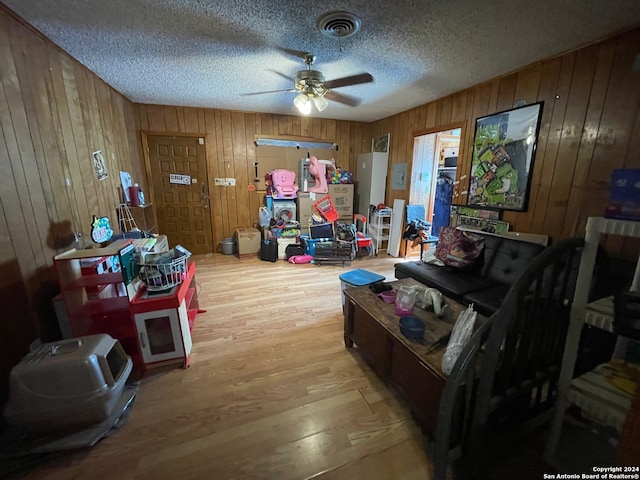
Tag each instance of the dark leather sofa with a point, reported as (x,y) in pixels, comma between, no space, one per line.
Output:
(486,283)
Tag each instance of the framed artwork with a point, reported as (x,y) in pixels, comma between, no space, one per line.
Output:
(504,148)
(99,166)
(380,143)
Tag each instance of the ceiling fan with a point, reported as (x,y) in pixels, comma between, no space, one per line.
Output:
(312,88)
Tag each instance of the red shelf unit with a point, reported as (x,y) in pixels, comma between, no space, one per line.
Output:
(98,302)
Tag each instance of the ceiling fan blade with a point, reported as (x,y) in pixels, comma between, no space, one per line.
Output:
(295,53)
(282,75)
(340,98)
(352,80)
(268,91)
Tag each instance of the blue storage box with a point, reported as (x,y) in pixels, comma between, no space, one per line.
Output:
(624,197)
(358,278)
(310,243)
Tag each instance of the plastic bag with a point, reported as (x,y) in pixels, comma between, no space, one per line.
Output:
(430,299)
(264,216)
(460,335)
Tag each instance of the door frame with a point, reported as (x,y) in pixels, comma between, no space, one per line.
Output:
(144,138)
(435,130)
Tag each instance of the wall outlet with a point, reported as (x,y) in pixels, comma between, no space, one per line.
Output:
(230,182)
(220,181)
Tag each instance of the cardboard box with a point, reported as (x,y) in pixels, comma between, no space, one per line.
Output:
(342,197)
(248,241)
(305,207)
(624,197)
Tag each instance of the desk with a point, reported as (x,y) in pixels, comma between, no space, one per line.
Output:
(426,241)
(403,363)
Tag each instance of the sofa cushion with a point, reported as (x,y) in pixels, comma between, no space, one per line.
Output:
(458,248)
(452,282)
(488,301)
(491,246)
(509,260)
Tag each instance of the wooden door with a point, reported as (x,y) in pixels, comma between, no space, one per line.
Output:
(181,191)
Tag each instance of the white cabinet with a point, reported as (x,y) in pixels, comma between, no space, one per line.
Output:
(164,321)
(599,314)
(371,178)
(163,334)
(379,229)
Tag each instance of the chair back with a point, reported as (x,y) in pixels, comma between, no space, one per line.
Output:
(416,212)
(510,366)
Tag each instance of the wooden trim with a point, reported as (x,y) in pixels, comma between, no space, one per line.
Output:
(294,138)
(147,166)
(440,128)
(154,133)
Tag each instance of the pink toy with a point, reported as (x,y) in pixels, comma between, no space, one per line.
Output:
(319,172)
(284,183)
(300,258)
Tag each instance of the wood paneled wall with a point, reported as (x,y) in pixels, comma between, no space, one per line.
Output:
(590,126)
(53,114)
(230,136)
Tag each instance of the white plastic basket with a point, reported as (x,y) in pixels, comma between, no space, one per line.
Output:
(161,271)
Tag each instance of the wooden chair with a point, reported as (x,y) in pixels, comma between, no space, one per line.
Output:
(507,372)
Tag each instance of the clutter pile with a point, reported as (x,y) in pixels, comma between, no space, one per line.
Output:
(325,239)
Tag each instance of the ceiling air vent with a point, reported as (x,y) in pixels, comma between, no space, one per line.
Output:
(338,24)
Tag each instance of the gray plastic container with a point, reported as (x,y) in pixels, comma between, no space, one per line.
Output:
(67,384)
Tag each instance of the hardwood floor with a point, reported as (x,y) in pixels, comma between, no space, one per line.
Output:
(271,393)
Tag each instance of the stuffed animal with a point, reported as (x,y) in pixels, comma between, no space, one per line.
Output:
(284,183)
(319,172)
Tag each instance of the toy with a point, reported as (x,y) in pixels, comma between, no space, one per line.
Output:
(319,172)
(300,259)
(284,183)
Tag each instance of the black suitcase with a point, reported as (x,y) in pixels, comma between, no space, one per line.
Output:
(269,250)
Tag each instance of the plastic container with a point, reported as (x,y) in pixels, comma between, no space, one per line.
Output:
(140,195)
(134,197)
(68,384)
(227,246)
(388,296)
(310,243)
(358,278)
(406,297)
(412,327)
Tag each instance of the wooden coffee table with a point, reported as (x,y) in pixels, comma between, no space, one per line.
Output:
(405,364)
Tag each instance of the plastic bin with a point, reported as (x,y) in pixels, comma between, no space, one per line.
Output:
(358,278)
(68,384)
(227,246)
(310,243)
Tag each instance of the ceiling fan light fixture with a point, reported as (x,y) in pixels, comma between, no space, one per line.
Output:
(302,103)
(320,102)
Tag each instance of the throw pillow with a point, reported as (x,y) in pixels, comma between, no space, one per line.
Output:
(457,248)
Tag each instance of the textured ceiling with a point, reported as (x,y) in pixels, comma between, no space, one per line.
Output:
(208,53)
